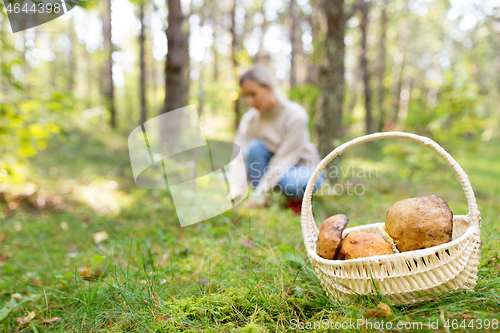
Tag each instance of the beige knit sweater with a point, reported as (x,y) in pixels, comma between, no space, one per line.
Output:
(284,131)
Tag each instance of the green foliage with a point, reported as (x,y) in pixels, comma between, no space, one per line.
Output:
(412,160)
(307,95)
(456,124)
(88,4)
(26,128)
(457,119)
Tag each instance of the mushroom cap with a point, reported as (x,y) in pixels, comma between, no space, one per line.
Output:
(360,244)
(330,236)
(419,223)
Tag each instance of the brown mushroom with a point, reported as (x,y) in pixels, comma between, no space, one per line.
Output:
(419,223)
(360,244)
(330,236)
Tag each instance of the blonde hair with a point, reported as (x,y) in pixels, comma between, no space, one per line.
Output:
(259,74)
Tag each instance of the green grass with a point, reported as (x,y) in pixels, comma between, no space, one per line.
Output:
(245,270)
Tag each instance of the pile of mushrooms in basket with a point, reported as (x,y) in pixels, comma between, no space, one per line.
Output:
(412,224)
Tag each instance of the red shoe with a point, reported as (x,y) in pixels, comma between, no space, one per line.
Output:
(295,205)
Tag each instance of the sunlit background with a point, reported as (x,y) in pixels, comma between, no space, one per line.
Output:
(84,248)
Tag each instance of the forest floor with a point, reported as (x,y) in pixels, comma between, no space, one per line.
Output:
(102,255)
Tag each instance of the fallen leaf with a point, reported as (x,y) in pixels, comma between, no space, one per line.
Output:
(36,281)
(248,243)
(100,236)
(13,204)
(50,320)
(16,296)
(466,316)
(164,260)
(84,272)
(88,275)
(2,259)
(384,311)
(384,307)
(27,319)
(162,319)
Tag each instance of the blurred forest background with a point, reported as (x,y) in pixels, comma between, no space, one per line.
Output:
(428,67)
(79,239)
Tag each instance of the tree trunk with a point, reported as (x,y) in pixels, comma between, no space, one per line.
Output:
(329,124)
(234,45)
(186,73)
(261,57)
(381,67)
(26,66)
(53,65)
(25,62)
(156,79)
(156,75)
(353,92)
(215,54)
(293,42)
(142,64)
(201,97)
(109,89)
(176,84)
(201,93)
(365,9)
(432,93)
(314,71)
(397,69)
(71,60)
(4,80)
(176,63)
(404,98)
(90,84)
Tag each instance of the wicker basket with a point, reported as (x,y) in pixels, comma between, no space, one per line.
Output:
(402,277)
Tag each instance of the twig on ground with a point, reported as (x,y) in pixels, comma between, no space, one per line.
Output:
(490,261)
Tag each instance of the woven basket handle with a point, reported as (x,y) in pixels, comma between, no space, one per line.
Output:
(310,229)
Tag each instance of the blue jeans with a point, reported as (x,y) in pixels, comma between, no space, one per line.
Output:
(294,181)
